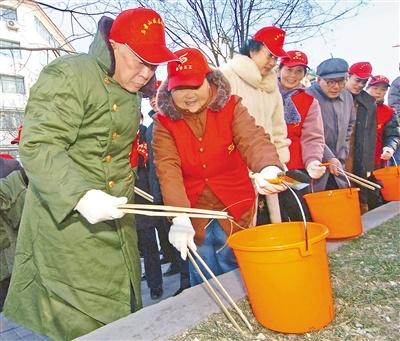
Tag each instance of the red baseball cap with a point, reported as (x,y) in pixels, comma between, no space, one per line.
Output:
(378,79)
(142,29)
(273,38)
(362,70)
(6,156)
(189,71)
(295,58)
(18,138)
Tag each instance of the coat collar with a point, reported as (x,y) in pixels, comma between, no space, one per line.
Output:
(248,71)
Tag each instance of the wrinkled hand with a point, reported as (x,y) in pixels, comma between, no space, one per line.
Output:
(181,235)
(334,166)
(315,170)
(387,153)
(262,184)
(97,206)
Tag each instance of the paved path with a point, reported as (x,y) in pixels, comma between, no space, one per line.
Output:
(9,331)
(195,304)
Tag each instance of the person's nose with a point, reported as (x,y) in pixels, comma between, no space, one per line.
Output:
(147,72)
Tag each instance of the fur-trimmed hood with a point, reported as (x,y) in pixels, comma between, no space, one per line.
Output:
(248,71)
(221,91)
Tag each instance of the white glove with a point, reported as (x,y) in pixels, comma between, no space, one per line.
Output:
(261,180)
(181,234)
(315,170)
(97,206)
(387,153)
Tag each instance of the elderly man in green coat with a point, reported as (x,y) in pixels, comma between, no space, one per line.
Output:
(77,263)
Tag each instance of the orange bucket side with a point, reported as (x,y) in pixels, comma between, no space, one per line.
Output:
(390,178)
(288,287)
(338,209)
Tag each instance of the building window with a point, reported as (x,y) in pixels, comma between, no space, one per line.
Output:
(45,34)
(10,119)
(7,13)
(12,84)
(12,53)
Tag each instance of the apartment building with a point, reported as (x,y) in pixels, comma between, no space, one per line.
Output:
(26,31)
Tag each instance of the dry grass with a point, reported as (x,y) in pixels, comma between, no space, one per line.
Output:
(366,283)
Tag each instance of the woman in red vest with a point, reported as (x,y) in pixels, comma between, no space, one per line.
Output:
(387,132)
(305,130)
(204,143)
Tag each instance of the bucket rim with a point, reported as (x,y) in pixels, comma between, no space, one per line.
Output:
(335,191)
(390,170)
(294,245)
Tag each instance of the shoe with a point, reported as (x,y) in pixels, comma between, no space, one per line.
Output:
(179,291)
(172,270)
(164,260)
(156,293)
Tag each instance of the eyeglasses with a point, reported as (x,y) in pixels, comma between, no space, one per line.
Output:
(270,56)
(332,82)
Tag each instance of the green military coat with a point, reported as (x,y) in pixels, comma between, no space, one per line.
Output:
(12,197)
(71,277)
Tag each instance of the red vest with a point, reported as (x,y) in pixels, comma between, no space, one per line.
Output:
(384,114)
(213,160)
(302,101)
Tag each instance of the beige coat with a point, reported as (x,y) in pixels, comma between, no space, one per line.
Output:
(262,98)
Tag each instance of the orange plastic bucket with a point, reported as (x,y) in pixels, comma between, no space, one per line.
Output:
(339,209)
(289,287)
(390,178)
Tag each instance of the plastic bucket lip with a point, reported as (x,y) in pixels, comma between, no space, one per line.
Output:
(294,245)
(387,171)
(331,192)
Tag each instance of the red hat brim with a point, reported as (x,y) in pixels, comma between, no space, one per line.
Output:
(276,51)
(154,54)
(379,82)
(362,75)
(182,81)
(294,63)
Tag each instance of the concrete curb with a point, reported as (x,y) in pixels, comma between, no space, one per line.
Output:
(174,315)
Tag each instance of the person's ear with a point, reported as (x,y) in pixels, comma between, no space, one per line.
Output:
(113,44)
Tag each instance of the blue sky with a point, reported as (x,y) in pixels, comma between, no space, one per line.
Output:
(369,36)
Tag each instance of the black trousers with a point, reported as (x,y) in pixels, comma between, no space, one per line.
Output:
(290,209)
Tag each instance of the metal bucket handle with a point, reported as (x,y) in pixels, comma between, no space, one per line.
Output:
(302,212)
(396,165)
(341,173)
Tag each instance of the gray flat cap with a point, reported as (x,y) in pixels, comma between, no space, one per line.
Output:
(333,68)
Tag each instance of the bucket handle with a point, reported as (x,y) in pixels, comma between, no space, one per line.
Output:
(396,165)
(301,210)
(341,170)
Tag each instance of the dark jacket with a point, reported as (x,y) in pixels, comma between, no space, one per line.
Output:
(142,182)
(8,166)
(365,133)
(155,189)
(394,95)
(391,133)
